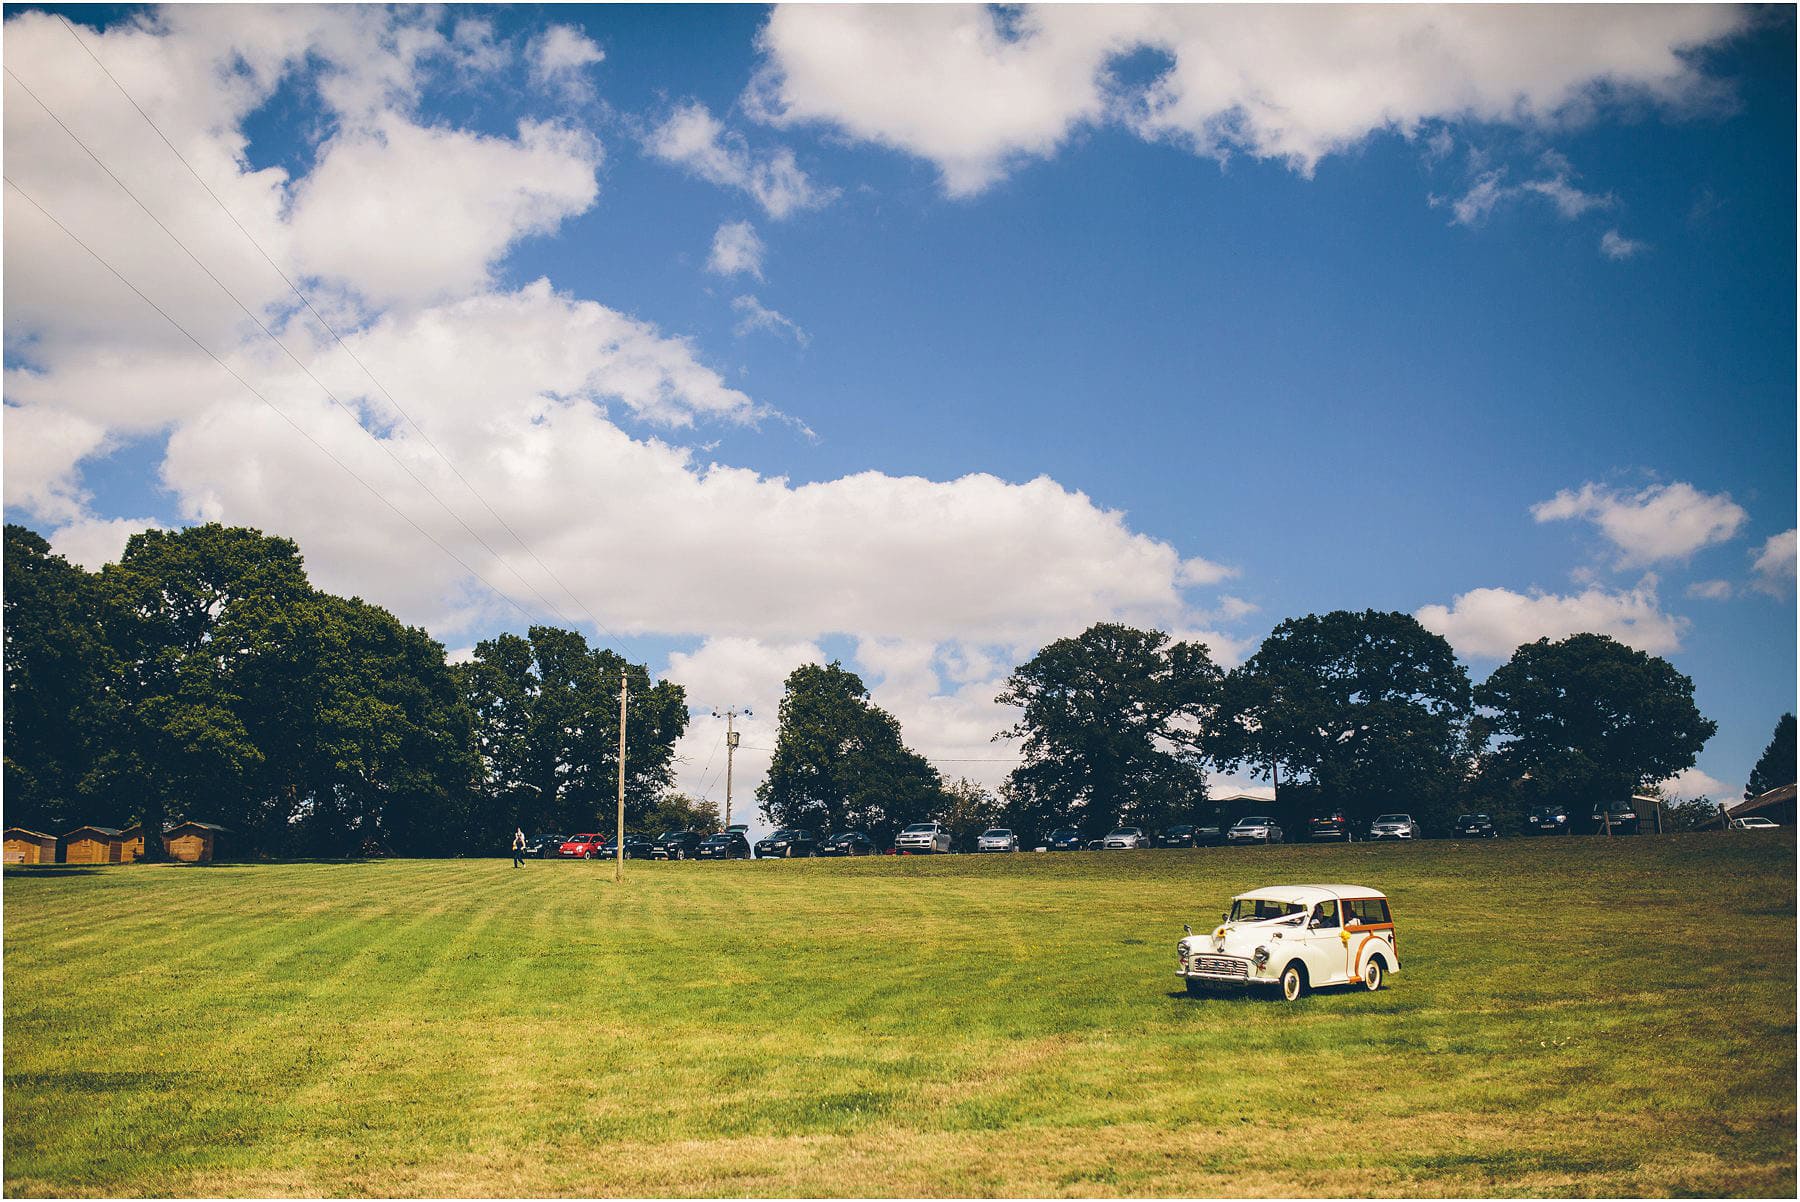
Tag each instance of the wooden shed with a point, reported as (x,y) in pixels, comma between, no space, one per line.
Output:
(131,843)
(93,845)
(194,842)
(29,847)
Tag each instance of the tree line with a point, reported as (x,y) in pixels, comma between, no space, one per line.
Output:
(203,676)
(1359,712)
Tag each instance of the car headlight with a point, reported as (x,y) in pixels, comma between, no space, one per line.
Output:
(1261,957)
(1562,817)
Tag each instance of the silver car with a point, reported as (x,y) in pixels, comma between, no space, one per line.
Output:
(996,839)
(1394,826)
(1258,829)
(923,838)
(1126,838)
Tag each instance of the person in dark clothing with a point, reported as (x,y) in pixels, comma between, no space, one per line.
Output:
(518,848)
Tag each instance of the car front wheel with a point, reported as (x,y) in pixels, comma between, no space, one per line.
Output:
(1293,983)
(1372,974)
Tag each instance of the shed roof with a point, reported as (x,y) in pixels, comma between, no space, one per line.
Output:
(1762,801)
(15,831)
(106,831)
(205,826)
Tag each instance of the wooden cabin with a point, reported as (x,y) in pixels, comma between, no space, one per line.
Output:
(131,843)
(29,847)
(93,845)
(194,842)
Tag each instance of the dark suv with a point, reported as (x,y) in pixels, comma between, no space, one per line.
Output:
(1621,816)
(676,845)
(787,844)
(1332,825)
(1065,838)
(1547,820)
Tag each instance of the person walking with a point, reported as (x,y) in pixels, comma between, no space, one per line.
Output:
(518,848)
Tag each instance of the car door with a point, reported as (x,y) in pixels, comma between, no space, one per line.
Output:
(1325,952)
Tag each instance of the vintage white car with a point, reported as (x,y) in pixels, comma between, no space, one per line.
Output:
(1293,938)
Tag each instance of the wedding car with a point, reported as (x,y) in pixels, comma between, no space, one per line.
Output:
(1293,938)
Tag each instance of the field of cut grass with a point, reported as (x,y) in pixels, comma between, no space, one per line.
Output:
(1575,1017)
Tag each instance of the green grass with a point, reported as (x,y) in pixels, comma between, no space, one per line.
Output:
(1576,1017)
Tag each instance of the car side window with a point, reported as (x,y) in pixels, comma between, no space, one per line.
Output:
(1327,915)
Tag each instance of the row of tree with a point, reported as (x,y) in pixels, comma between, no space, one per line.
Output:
(203,676)
(1358,712)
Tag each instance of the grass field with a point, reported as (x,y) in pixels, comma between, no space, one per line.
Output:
(1586,1017)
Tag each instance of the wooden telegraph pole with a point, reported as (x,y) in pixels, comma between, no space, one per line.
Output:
(619,847)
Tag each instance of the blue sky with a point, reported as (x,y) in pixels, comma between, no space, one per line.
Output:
(919,338)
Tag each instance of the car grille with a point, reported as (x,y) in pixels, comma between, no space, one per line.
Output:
(1220,966)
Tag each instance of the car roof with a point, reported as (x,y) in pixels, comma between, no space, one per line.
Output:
(1307,895)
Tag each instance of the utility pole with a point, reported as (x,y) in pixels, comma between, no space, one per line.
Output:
(619,848)
(731,743)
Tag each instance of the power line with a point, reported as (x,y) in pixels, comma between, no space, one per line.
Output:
(245,309)
(326,326)
(304,433)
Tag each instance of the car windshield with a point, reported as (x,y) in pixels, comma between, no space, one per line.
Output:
(996,833)
(1245,909)
(1180,830)
(784,833)
(1393,818)
(1255,821)
(1065,833)
(918,827)
(1478,818)
(718,839)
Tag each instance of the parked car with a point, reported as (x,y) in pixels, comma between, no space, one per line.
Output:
(676,845)
(848,843)
(542,847)
(1620,816)
(1064,838)
(1209,834)
(1547,820)
(727,845)
(1393,826)
(1293,938)
(582,847)
(923,838)
(788,843)
(1475,826)
(637,847)
(1126,838)
(1181,835)
(1261,829)
(1753,823)
(1332,826)
(996,838)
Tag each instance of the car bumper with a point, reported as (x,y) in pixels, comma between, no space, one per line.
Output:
(1377,836)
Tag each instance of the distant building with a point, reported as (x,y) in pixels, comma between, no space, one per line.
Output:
(93,845)
(29,847)
(1777,805)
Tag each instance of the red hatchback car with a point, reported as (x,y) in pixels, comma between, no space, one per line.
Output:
(584,847)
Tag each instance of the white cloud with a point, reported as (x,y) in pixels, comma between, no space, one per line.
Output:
(757,316)
(1691,783)
(1483,196)
(736,250)
(976,91)
(560,57)
(1774,566)
(1489,192)
(1710,590)
(1616,246)
(691,137)
(1570,201)
(1663,521)
(1491,623)
(94,542)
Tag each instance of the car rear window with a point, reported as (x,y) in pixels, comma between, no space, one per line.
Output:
(1368,910)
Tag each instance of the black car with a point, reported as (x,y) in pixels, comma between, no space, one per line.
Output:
(637,847)
(676,845)
(1620,818)
(848,843)
(1209,834)
(1475,826)
(1065,838)
(544,847)
(788,843)
(728,846)
(1547,820)
(1331,826)
(1181,835)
